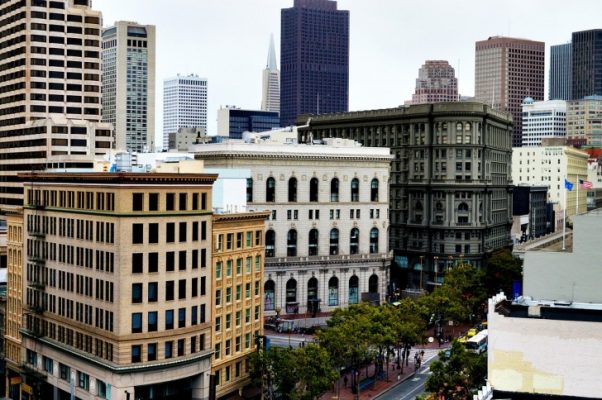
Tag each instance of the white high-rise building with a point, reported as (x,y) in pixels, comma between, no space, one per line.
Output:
(270,99)
(128,84)
(543,119)
(184,104)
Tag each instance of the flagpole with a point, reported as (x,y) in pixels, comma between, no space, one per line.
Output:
(577,204)
(564,217)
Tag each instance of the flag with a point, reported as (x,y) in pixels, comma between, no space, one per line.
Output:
(568,185)
(586,184)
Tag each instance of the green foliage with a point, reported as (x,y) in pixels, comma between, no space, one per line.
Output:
(297,374)
(460,376)
(501,269)
(461,295)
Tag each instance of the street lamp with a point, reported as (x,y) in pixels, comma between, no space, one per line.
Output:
(461,259)
(450,260)
(436,265)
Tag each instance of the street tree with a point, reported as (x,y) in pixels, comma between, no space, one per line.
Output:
(458,376)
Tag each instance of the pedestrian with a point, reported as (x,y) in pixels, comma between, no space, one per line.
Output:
(345,380)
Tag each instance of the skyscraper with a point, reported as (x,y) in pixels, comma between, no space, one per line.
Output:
(506,71)
(270,95)
(314,58)
(436,82)
(128,84)
(587,63)
(50,96)
(184,104)
(561,72)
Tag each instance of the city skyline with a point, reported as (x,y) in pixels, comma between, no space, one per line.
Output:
(391,39)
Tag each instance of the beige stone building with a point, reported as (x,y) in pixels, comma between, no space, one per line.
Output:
(237,289)
(115,284)
(50,102)
(584,121)
(326,241)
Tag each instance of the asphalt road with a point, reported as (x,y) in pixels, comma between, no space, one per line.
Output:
(410,388)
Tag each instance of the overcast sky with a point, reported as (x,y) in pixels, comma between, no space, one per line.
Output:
(227,41)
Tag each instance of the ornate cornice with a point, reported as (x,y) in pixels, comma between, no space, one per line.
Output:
(118,178)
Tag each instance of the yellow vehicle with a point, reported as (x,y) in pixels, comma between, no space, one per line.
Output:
(471,332)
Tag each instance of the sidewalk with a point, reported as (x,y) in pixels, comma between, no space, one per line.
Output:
(381,385)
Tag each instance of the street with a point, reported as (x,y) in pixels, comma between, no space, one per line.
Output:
(412,387)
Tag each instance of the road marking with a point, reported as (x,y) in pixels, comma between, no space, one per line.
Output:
(409,395)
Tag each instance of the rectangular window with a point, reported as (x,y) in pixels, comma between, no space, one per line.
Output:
(194,315)
(218,270)
(136,292)
(137,233)
(137,263)
(183,201)
(137,201)
(153,233)
(203,316)
(249,239)
(168,349)
(192,344)
(168,319)
(182,260)
(195,259)
(151,352)
(153,201)
(182,232)
(170,232)
(170,201)
(203,286)
(195,201)
(152,321)
(182,289)
(238,292)
(238,266)
(136,322)
(181,318)
(83,380)
(203,230)
(194,287)
(153,288)
(228,268)
(169,290)
(170,261)
(153,262)
(195,231)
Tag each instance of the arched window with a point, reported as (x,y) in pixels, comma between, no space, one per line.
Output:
(354,289)
(270,243)
(249,190)
(354,241)
(373,284)
(292,189)
(333,291)
(374,190)
(334,242)
(313,303)
(355,189)
(374,240)
(291,291)
(270,190)
(334,190)
(463,207)
(313,189)
(313,242)
(291,243)
(269,290)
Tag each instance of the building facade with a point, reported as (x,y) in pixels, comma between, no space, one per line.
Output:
(326,238)
(561,72)
(506,71)
(128,84)
(237,293)
(49,80)
(533,339)
(270,93)
(530,212)
(587,63)
(550,166)
(584,121)
(232,121)
(116,286)
(314,59)
(450,186)
(184,105)
(436,82)
(543,119)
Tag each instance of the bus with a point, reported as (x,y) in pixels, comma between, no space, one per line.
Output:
(478,343)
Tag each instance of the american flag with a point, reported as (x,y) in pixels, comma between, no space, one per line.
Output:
(585,184)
